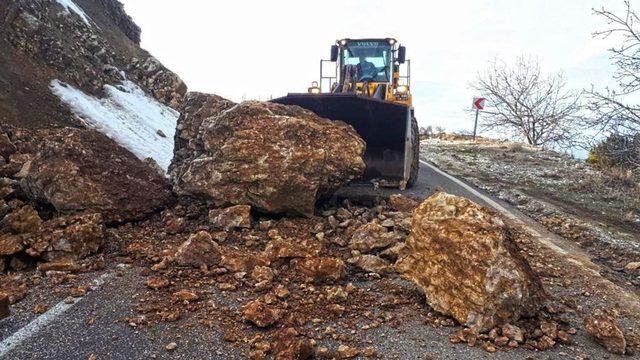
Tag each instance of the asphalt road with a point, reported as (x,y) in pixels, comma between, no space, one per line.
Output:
(92,324)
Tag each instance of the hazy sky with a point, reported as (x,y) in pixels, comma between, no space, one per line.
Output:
(257,49)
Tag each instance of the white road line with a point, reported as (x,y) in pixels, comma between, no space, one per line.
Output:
(43,320)
(501,209)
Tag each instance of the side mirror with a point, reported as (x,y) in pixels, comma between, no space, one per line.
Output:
(402,54)
(334,53)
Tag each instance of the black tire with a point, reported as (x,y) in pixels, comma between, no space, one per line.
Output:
(415,151)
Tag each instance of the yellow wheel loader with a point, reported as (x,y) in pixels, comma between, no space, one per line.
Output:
(367,91)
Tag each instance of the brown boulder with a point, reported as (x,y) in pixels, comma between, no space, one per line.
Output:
(607,332)
(460,255)
(238,216)
(83,170)
(200,249)
(261,314)
(276,158)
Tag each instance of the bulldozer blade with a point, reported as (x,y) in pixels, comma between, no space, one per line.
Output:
(384,126)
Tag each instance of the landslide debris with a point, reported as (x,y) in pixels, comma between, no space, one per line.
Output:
(60,189)
(82,170)
(461,255)
(276,158)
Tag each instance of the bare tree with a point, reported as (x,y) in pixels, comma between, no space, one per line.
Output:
(612,113)
(525,102)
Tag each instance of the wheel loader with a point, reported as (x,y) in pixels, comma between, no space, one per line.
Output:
(364,88)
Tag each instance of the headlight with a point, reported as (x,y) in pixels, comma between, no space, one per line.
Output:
(343,42)
(314,89)
(402,89)
(392,41)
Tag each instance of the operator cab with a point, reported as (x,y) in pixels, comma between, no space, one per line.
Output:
(368,67)
(372,59)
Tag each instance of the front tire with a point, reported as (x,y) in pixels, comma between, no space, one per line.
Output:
(415,151)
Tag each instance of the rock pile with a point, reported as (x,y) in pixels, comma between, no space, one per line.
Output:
(461,256)
(83,170)
(59,187)
(276,158)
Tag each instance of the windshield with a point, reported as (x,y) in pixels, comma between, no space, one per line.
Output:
(371,58)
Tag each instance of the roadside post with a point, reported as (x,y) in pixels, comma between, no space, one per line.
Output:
(478,104)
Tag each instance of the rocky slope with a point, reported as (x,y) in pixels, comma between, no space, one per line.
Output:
(87,44)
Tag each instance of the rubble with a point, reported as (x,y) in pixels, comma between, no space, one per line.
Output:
(607,332)
(83,170)
(67,237)
(276,158)
(460,255)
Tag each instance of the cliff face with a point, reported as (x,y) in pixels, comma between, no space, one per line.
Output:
(85,43)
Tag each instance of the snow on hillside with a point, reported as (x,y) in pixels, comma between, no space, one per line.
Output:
(69,5)
(128,115)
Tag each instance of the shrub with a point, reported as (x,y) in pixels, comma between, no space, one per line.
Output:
(617,151)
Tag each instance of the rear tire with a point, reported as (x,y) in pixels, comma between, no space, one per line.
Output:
(415,151)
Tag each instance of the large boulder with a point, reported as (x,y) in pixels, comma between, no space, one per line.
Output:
(460,254)
(82,170)
(274,157)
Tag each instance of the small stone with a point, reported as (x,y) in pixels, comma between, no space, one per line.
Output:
(347,352)
(198,250)
(282,292)
(545,343)
(501,341)
(513,332)
(260,314)
(632,266)
(238,216)
(40,308)
(549,328)
(185,295)
(489,347)
(157,283)
(564,337)
(4,305)
(607,332)
(171,346)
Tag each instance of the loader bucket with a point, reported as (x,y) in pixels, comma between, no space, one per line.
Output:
(384,126)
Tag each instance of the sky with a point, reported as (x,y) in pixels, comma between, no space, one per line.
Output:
(261,49)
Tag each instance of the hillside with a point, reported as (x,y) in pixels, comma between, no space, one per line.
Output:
(88,46)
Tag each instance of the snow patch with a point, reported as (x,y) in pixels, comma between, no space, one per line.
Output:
(127,115)
(69,5)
